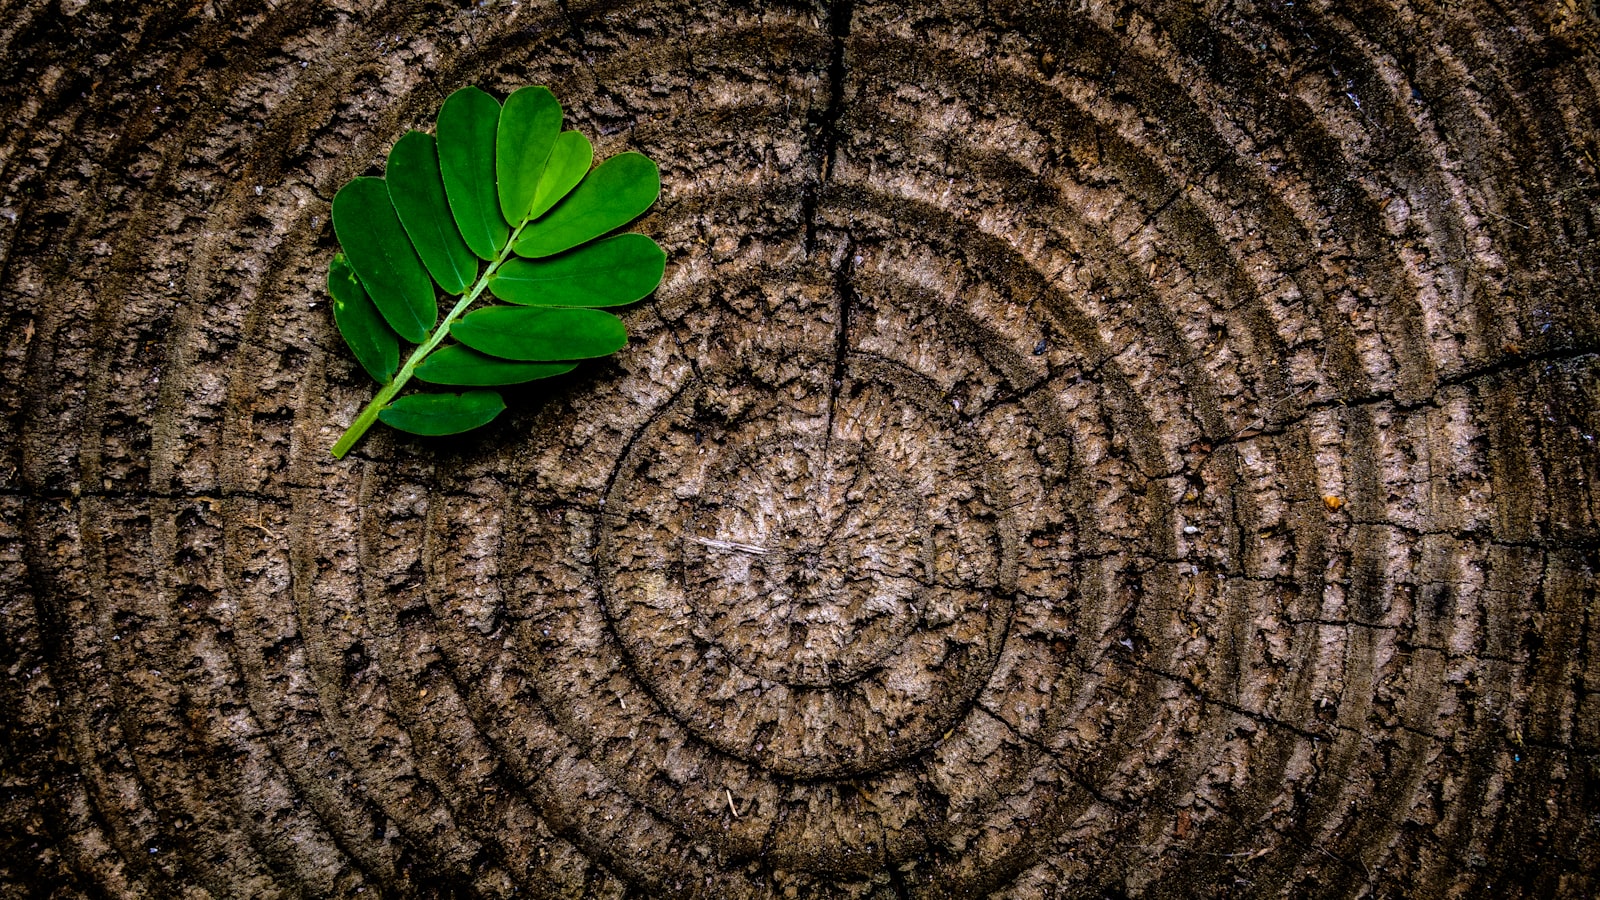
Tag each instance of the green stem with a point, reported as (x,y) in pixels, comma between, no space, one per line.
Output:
(369,413)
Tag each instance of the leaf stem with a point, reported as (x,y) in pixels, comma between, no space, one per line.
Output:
(369,413)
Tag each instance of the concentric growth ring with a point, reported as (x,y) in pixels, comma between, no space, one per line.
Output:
(819,587)
(1077,450)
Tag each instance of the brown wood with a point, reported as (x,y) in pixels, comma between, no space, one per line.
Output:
(1078,450)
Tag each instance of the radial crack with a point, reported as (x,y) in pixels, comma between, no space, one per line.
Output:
(844,286)
(827,125)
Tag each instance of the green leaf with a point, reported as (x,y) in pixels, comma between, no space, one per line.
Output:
(448,204)
(570,159)
(417,190)
(436,414)
(611,272)
(615,193)
(468,122)
(540,333)
(377,246)
(372,341)
(455,364)
(528,128)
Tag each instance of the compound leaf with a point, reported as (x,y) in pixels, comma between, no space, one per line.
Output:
(538,334)
(468,122)
(529,124)
(363,328)
(611,272)
(380,252)
(456,365)
(437,414)
(417,191)
(451,202)
(615,193)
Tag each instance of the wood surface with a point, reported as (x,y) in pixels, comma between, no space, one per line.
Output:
(1079,449)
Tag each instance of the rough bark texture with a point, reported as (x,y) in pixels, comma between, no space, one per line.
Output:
(1078,450)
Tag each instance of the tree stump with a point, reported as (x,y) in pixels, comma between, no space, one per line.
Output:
(1079,449)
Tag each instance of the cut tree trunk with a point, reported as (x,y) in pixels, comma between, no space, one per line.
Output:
(1078,450)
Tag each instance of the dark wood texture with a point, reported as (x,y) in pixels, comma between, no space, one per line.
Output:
(1079,449)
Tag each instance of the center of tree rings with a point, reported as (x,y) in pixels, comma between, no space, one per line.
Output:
(809,575)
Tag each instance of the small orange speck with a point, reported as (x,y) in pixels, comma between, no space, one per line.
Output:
(1332,503)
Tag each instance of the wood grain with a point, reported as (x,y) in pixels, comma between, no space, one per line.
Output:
(1077,450)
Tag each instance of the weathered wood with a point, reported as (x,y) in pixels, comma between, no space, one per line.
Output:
(1078,450)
